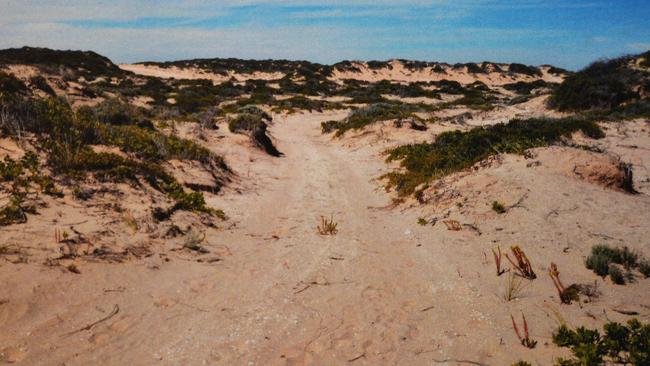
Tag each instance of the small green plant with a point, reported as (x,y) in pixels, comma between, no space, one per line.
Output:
(498,207)
(422,221)
(521,363)
(621,344)
(327,226)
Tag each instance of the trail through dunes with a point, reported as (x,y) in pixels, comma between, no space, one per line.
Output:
(272,291)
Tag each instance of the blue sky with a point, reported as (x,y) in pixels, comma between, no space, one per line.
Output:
(569,34)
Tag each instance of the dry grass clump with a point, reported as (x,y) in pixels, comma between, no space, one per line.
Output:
(514,286)
(327,226)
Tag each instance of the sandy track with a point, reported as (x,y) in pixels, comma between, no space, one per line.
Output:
(384,291)
(283,294)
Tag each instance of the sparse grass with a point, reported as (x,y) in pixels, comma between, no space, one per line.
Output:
(454,151)
(327,226)
(514,286)
(605,260)
(621,344)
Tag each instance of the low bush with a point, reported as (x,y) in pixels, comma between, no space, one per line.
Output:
(9,84)
(603,85)
(525,70)
(41,84)
(66,136)
(454,151)
(605,260)
(253,121)
(23,180)
(621,344)
(370,114)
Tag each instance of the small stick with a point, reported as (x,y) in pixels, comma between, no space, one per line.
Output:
(116,310)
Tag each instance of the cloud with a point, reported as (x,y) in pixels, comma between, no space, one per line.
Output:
(527,31)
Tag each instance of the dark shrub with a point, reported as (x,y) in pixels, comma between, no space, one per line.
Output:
(602,85)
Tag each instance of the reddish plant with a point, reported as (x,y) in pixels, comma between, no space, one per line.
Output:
(523,266)
(525,340)
(497,261)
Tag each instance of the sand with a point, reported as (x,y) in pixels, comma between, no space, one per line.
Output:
(384,290)
(272,291)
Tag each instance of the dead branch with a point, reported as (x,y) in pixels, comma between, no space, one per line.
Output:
(116,310)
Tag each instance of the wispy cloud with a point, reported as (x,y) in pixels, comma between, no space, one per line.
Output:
(568,34)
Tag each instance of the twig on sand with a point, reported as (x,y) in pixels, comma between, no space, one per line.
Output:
(518,203)
(448,360)
(116,310)
(357,358)
(428,308)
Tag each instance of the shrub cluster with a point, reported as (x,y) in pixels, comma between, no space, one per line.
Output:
(22,179)
(621,344)
(605,260)
(455,150)
(603,85)
(66,136)
(359,118)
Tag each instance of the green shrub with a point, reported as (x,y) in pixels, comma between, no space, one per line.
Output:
(66,137)
(454,151)
(24,179)
(377,112)
(86,63)
(644,267)
(603,85)
(329,126)
(523,69)
(604,260)
(521,363)
(621,344)
(616,275)
(498,207)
